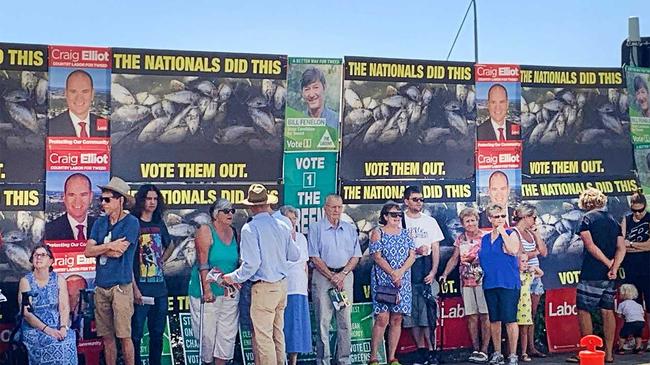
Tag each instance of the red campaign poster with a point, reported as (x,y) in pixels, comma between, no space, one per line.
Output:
(80,57)
(498,155)
(78,154)
(562,328)
(69,257)
(453,333)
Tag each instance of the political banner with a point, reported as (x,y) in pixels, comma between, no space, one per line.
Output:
(180,116)
(638,100)
(362,317)
(407,119)
(575,123)
(309,177)
(433,191)
(642,159)
(24,85)
(313,104)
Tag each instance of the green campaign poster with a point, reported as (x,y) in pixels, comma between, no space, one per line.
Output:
(313,104)
(167,357)
(190,344)
(308,178)
(361,333)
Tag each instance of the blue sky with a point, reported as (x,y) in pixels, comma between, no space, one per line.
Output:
(550,32)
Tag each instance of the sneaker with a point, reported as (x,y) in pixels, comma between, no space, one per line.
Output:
(394,362)
(513,359)
(421,357)
(497,359)
(478,357)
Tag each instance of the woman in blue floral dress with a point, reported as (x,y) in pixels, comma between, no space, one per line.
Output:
(45,331)
(394,254)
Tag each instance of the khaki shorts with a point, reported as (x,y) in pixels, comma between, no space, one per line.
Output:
(113,310)
(474,300)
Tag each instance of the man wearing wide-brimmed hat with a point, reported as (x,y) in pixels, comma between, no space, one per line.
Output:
(266,248)
(113,240)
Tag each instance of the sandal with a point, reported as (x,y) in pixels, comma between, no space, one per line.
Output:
(573,359)
(525,358)
(538,354)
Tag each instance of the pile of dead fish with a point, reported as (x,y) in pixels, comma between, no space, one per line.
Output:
(559,231)
(224,111)
(22,112)
(409,113)
(26,230)
(582,116)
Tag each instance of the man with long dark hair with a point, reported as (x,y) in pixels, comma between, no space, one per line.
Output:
(149,289)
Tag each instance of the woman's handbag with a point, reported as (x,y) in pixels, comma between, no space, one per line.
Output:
(387,294)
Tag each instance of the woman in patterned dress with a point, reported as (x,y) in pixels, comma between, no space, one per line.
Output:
(393,252)
(46,331)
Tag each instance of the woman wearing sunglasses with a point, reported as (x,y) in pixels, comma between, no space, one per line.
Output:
(217,248)
(636,227)
(501,283)
(393,251)
(46,327)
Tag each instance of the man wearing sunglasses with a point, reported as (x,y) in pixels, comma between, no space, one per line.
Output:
(113,240)
(426,233)
(334,251)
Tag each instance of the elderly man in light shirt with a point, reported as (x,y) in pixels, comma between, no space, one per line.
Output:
(334,251)
(266,248)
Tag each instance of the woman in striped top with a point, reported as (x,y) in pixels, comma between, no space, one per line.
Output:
(533,245)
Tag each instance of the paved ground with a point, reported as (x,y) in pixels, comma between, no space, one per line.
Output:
(640,359)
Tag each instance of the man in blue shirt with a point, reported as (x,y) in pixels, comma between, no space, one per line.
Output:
(334,251)
(313,87)
(266,248)
(113,240)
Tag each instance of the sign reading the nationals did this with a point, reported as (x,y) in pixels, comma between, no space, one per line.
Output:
(197,116)
(23,83)
(407,119)
(575,122)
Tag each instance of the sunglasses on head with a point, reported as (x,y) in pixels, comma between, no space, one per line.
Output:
(499,216)
(226,211)
(417,200)
(638,210)
(395,214)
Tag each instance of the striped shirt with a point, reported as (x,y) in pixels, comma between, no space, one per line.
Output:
(528,247)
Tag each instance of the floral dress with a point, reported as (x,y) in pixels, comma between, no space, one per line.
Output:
(395,249)
(44,349)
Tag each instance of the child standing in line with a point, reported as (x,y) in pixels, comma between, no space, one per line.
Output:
(633,314)
(524,310)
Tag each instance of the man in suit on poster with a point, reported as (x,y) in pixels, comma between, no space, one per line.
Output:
(77,121)
(497,127)
(498,192)
(75,224)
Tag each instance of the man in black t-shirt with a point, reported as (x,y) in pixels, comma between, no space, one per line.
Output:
(605,250)
(149,288)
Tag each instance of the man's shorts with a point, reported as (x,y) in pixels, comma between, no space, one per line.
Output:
(113,310)
(502,304)
(595,294)
(419,310)
(474,300)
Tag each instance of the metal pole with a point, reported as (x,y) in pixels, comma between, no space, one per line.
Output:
(633,39)
(475,33)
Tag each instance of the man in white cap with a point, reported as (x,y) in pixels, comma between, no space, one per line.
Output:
(113,240)
(266,248)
